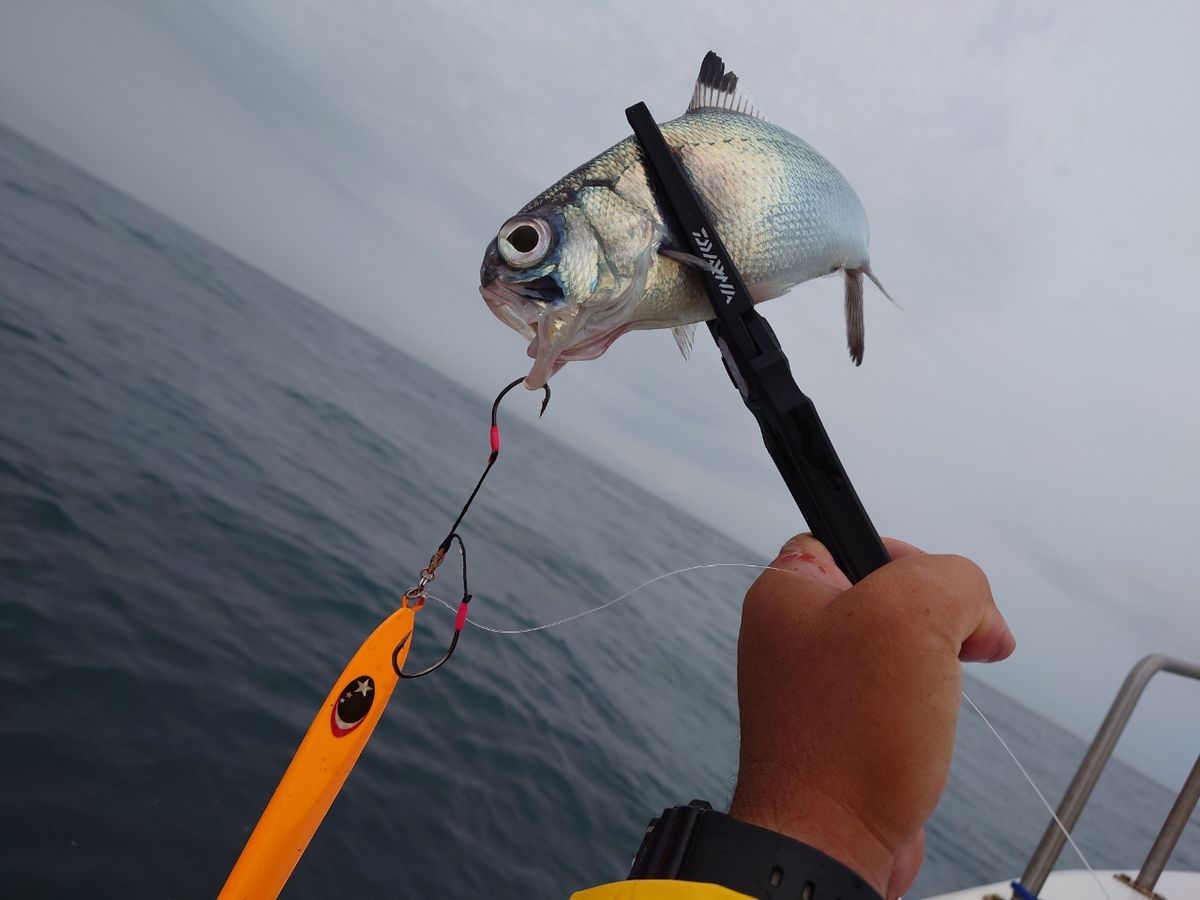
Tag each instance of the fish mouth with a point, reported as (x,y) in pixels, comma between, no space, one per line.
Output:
(558,334)
(511,308)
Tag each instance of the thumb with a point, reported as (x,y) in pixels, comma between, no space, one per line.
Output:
(807,557)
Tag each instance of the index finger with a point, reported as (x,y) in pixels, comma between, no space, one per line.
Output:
(897,548)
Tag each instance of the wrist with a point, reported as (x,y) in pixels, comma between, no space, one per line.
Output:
(696,843)
(809,815)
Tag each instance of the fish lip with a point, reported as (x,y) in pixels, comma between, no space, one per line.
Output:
(511,308)
(594,347)
(548,347)
(559,331)
(546,364)
(532,320)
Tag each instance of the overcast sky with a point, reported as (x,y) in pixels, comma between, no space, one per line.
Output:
(1032,182)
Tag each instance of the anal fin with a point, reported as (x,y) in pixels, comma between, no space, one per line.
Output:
(879,284)
(685,337)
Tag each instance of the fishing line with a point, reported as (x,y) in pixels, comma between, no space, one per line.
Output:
(1040,795)
(761,568)
(614,601)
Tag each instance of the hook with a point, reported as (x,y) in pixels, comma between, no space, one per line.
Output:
(445,546)
(500,396)
(459,621)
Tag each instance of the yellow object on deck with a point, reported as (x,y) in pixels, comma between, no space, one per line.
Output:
(653,889)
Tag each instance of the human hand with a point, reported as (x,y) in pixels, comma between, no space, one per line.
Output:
(849,697)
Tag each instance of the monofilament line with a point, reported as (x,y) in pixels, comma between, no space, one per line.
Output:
(1041,796)
(615,600)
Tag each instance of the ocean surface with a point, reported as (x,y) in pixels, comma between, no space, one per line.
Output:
(211,489)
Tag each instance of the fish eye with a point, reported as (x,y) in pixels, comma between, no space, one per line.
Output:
(524,241)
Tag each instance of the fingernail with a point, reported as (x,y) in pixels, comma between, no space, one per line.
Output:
(1007,645)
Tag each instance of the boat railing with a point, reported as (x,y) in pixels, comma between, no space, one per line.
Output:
(1094,761)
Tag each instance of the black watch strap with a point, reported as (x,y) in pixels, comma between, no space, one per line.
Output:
(696,843)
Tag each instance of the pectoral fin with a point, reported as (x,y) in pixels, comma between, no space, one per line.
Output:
(855,331)
(688,259)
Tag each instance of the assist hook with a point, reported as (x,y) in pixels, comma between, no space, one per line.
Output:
(445,546)
(500,396)
(417,593)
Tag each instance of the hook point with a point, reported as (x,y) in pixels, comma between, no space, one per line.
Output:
(500,396)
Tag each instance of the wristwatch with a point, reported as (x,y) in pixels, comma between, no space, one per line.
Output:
(696,843)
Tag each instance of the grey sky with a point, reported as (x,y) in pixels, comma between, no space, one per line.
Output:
(1030,174)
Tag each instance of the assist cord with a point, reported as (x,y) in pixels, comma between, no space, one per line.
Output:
(416,594)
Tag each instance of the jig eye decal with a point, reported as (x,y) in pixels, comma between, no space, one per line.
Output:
(353,704)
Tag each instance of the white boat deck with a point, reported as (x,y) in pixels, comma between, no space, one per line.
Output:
(1080,885)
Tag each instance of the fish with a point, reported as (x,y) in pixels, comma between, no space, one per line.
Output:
(594,256)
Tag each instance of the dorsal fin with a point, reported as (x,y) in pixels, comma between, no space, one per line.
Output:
(717,89)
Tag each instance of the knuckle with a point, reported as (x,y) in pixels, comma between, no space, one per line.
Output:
(947,572)
(919,593)
(967,574)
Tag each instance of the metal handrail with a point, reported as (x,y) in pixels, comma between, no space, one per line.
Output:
(1173,825)
(1094,761)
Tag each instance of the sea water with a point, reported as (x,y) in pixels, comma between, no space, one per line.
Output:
(211,489)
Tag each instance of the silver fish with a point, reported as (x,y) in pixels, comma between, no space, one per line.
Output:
(593,257)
